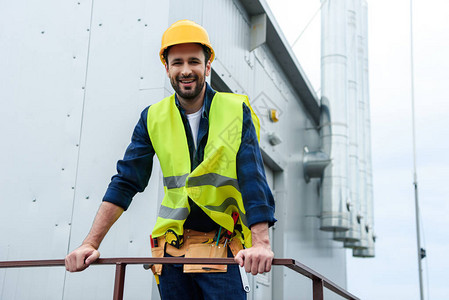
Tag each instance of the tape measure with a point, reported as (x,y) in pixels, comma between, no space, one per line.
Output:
(173,239)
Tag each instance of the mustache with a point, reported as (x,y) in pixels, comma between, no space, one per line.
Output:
(193,76)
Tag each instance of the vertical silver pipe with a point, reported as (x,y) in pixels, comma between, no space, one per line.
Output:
(353,234)
(334,195)
(369,251)
(363,243)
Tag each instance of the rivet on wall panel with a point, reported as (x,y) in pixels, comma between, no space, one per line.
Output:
(56,225)
(34,200)
(88,29)
(70,224)
(74,57)
(87,197)
(79,3)
(62,169)
(42,32)
(141,77)
(100,24)
(146,25)
(131,241)
(68,115)
(138,20)
(73,187)
(77,145)
(82,87)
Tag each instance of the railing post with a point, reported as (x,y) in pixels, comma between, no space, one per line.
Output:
(317,288)
(119,284)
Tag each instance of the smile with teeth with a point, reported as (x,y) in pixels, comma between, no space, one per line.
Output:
(187,80)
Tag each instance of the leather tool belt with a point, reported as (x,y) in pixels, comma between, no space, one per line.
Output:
(197,245)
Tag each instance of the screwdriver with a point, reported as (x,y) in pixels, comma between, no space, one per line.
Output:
(228,234)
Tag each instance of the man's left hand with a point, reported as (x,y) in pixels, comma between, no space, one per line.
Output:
(259,257)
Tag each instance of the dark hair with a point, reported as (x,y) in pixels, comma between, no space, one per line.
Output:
(206,50)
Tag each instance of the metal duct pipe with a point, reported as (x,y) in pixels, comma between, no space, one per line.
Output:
(353,234)
(314,163)
(368,252)
(334,195)
(371,238)
(361,134)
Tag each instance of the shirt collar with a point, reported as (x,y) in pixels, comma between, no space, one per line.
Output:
(208,96)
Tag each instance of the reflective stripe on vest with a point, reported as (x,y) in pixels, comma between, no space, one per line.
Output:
(213,185)
(214,179)
(173,182)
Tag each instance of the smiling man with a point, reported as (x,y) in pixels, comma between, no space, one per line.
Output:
(217,201)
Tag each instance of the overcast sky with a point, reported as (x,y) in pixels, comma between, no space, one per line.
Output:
(393,273)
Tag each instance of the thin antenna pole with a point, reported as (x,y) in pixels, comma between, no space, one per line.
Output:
(415,177)
(308,23)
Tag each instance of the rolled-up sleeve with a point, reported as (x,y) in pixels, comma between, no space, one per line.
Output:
(257,196)
(134,170)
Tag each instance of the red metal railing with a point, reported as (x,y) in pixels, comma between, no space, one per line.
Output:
(318,280)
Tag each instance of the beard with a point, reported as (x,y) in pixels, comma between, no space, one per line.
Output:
(190,92)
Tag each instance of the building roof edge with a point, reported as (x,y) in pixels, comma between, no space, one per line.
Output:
(287,60)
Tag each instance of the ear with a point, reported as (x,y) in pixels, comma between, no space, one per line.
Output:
(208,68)
(166,69)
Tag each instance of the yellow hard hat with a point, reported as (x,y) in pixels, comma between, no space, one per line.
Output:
(183,32)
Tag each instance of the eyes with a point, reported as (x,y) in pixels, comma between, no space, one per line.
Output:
(193,62)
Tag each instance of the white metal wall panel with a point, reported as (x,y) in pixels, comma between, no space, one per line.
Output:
(124,76)
(268,95)
(228,27)
(42,77)
(191,10)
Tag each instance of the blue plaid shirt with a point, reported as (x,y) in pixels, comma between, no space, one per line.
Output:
(134,170)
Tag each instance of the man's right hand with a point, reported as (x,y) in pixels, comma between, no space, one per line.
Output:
(80,258)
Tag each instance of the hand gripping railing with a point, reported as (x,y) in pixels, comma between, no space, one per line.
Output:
(319,281)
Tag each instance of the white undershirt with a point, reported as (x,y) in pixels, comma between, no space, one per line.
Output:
(194,121)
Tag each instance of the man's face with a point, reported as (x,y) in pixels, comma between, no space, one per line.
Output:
(187,70)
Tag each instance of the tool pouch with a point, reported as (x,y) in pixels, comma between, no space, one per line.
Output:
(235,245)
(157,252)
(206,251)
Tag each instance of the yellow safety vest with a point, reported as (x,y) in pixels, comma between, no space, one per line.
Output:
(213,185)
